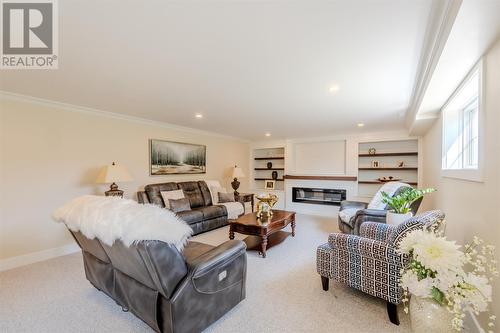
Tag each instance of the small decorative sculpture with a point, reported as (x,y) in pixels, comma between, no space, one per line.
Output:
(265,205)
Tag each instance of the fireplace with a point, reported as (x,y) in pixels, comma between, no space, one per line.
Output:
(318,196)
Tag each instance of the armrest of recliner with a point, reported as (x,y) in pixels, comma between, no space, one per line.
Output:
(346,204)
(375,213)
(217,256)
(142,197)
(368,215)
(219,268)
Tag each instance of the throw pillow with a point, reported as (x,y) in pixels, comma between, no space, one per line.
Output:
(390,188)
(179,205)
(214,190)
(226,197)
(167,195)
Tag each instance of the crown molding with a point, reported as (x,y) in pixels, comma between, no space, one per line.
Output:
(81,109)
(438,31)
(358,137)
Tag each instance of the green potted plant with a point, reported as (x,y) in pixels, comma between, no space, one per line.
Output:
(400,205)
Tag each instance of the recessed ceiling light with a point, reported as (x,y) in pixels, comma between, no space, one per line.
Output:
(268,134)
(361,125)
(334,88)
(198,115)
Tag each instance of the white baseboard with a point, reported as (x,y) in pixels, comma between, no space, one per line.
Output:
(30,258)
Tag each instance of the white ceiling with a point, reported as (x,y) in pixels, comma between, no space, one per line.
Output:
(248,67)
(475,28)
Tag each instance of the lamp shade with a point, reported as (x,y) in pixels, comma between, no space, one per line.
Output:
(237,172)
(113,173)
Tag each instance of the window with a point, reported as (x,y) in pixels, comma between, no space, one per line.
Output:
(461,125)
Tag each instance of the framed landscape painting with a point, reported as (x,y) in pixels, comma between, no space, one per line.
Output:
(170,158)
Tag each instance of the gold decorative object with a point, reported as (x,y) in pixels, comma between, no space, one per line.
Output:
(265,205)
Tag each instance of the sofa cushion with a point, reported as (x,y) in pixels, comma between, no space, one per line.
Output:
(153,192)
(212,212)
(192,191)
(205,191)
(191,216)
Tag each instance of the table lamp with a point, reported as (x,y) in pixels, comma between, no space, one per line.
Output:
(111,174)
(237,173)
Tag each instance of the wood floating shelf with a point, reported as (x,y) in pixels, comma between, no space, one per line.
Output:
(348,178)
(268,158)
(414,153)
(403,168)
(269,169)
(378,182)
(279,179)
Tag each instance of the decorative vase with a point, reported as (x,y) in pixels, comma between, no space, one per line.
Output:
(265,205)
(274,174)
(269,165)
(427,316)
(396,219)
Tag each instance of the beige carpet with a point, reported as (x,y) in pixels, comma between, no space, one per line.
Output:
(283,295)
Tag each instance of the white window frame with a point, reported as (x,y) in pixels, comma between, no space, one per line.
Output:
(467,173)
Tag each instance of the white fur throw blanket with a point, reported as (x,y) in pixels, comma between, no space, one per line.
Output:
(111,218)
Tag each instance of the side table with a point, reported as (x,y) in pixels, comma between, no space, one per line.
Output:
(245,197)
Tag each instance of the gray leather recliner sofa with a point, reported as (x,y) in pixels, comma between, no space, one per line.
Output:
(171,291)
(203,216)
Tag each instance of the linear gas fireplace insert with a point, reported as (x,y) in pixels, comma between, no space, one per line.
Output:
(319,196)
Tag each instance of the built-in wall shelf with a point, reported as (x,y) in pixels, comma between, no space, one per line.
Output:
(269,158)
(378,182)
(389,154)
(347,178)
(269,169)
(267,162)
(402,169)
(398,159)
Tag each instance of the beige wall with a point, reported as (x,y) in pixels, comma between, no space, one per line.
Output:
(49,155)
(472,208)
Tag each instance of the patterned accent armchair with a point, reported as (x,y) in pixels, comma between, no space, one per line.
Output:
(370,262)
(361,212)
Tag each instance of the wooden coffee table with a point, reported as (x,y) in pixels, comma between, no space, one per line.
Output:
(263,233)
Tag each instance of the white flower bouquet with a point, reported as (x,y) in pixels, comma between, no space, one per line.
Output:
(459,280)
